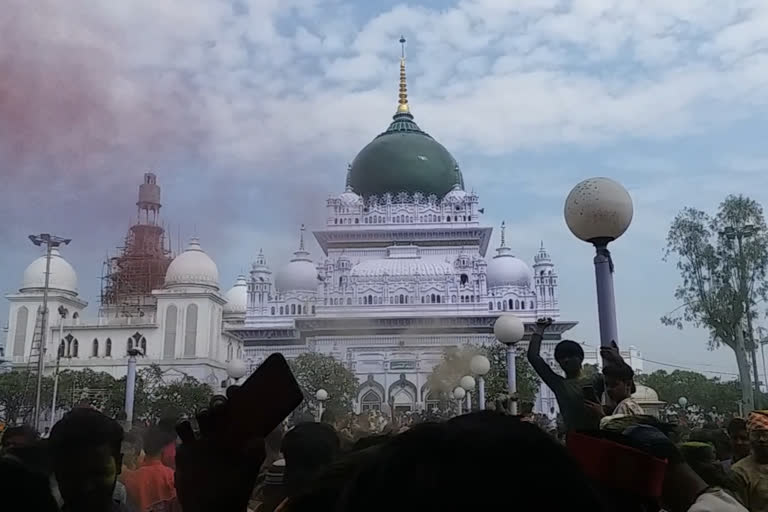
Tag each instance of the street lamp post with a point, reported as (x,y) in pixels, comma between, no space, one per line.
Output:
(50,241)
(467,383)
(598,211)
(509,330)
(738,234)
(62,315)
(130,386)
(321,396)
(459,395)
(480,366)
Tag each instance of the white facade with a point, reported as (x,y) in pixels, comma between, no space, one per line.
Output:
(186,333)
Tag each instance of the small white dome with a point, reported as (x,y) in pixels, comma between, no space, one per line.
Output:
(298,275)
(349,198)
(645,394)
(62,277)
(507,270)
(456,195)
(237,297)
(193,267)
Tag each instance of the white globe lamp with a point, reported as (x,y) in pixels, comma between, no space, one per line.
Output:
(480,365)
(459,393)
(508,329)
(682,402)
(321,395)
(236,369)
(467,383)
(598,211)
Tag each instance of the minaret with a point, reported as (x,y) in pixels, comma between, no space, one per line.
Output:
(259,286)
(545,280)
(149,200)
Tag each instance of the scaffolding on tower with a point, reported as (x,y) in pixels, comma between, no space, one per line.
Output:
(140,265)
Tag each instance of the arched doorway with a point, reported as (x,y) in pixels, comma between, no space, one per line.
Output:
(402,395)
(370,401)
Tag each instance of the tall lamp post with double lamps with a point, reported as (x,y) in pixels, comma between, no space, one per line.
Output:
(480,366)
(50,242)
(509,330)
(467,383)
(598,211)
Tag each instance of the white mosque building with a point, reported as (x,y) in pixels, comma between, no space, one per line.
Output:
(404,273)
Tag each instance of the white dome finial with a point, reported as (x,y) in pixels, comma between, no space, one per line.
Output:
(193,267)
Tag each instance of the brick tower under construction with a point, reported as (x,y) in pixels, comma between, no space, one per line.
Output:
(140,265)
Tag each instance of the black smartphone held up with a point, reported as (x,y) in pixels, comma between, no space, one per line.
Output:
(264,400)
(590,394)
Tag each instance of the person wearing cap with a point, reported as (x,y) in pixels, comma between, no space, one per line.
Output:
(753,469)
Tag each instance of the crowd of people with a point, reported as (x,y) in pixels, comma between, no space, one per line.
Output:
(613,458)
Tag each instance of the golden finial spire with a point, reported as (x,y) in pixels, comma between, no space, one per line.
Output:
(402,107)
(503,229)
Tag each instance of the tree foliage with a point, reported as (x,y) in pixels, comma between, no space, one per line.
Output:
(722,275)
(445,376)
(699,389)
(314,371)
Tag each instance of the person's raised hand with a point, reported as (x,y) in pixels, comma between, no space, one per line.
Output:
(611,355)
(594,408)
(212,473)
(542,324)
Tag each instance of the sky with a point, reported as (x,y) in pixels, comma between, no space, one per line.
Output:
(249,111)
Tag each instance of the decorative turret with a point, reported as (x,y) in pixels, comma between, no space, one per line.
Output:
(259,285)
(545,280)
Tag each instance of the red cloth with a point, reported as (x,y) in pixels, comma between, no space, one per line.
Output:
(151,483)
(617,466)
(168,455)
(757,420)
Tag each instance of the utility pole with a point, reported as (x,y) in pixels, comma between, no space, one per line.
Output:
(62,315)
(50,241)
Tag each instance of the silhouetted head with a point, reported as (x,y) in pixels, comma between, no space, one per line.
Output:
(22,435)
(569,355)
(27,490)
(85,451)
(619,381)
(473,462)
(307,448)
(739,438)
(154,440)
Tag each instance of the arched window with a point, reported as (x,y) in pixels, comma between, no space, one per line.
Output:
(531,304)
(20,335)
(129,345)
(462,299)
(281,310)
(505,305)
(108,348)
(517,304)
(169,344)
(471,298)
(464,279)
(273,310)
(349,301)
(190,331)
(62,349)
(402,299)
(422,299)
(498,306)
(490,306)
(305,309)
(370,299)
(293,309)
(391,300)
(313,310)
(75,348)
(522,304)
(95,350)
(448,218)
(438,299)
(335,221)
(144,346)
(357,221)
(432,298)
(511,304)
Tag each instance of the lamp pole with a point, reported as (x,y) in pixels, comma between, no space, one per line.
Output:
(50,241)
(467,383)
(509,330)
(459,394)
(62,315)
(130,386)
(738,234)
(480,366)
(321,395)
(598,211)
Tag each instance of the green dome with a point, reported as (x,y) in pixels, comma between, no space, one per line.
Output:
(404,159)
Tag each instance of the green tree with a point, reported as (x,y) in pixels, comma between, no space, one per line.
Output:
(314,371)
(723,275)
(699,389)
(455,365)
(12,395)
(178,397)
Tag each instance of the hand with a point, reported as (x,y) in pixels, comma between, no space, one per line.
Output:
(541,325)
(611,355)
(211,473)
(594,408)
